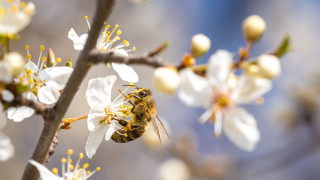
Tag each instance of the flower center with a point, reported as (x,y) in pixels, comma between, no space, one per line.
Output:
(222,100)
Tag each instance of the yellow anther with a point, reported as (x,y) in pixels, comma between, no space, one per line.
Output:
(71,167)
(31,81)
(8,11)
(63,160)
(98,168)
(29,56)
(27,11)
(10,1)
(23,4)
(78,167)
(85,166)
(1,11)
(104,23)
(58,60)
(108,32)
(125,134)
(15,8)
(116,26)
(117,38)
(86,17)
(108,26)
(119,32)
(70,151)
(42,48)
(126,43)
(88,172)
(70,160)
(130,121)
(134,48)
(121,106)
(43,59)
(55,170)
(131,85)
(21,79)
(81,155)
(27,47)
(112,42)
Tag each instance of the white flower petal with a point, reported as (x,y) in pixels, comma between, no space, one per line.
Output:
(48,95)
(45,174)
(109,133)
(20,113)
(14,22)
(99,91)
(125,72)
(95,139)
(218,123)
(56,76)
(78,42)
(32,66)
(5,72)
(250,88)
(7,95)
(194,90)
(241,128)
(206,115)
(95,115)
(30,96)
(6,148)
(219,68)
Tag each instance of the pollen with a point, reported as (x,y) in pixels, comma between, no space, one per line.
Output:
(98,168)
(71,167)
(23,4)
(134,48)
(15,8)
(27,47)
(63,160)
(29,56)
(81,155)
(119,32)
(43,59)
(85,166)
(126,43)
(88,172)
(70,151)
(58,60)
(42,48)
(125,134)
(86,17)
(54,171)
(131,85)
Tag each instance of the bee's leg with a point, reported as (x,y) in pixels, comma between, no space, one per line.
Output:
(124,97)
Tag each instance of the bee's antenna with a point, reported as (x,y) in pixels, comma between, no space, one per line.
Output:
(132,85)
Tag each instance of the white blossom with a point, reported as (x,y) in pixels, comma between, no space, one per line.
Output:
(103,110)
(69,171)
(14,16)
(221,100)
(6,148)
(106,42)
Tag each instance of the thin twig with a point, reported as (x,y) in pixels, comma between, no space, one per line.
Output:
(39,107)
(105,57)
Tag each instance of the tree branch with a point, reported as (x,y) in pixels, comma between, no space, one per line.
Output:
(54,115)
(96,56)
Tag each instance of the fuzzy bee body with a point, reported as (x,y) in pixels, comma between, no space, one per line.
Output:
(143,112)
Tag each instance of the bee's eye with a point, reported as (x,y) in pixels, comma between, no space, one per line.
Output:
(143,93)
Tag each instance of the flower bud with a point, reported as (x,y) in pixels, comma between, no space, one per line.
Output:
(200,44)
(253,28)
(269,66)
(15,61)
(188,60)
(166,79)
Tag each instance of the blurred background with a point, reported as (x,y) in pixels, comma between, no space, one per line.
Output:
(288,119)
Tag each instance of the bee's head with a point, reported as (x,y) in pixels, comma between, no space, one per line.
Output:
(141,93)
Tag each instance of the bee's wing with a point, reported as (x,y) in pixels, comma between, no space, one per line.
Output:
(156,123)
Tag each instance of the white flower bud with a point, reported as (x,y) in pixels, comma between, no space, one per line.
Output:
(200,44)
(253,28)
(166,79)
(269,66)
(15,61)
(173,169)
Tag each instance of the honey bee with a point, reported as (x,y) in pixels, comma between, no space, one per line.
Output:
(143,112)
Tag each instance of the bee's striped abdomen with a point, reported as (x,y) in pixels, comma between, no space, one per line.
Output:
(131,135)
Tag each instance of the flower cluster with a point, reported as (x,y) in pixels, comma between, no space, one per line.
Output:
(69,171)
(220,87)
(107,42)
